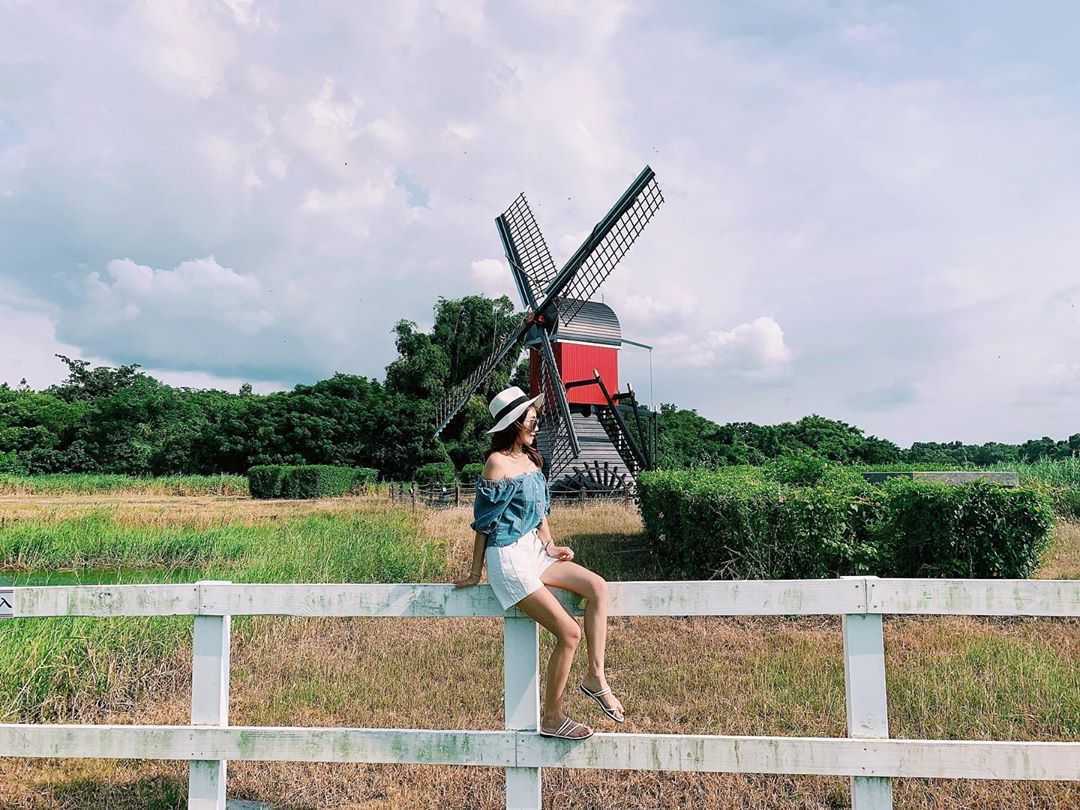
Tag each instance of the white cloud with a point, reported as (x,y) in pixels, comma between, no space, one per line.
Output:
(756,348)
(246,15)
(465,16)
(492,278)
(28,340)
(146,302)
(184,47)
(462,131)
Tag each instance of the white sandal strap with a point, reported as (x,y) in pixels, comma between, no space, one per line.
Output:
(605,691)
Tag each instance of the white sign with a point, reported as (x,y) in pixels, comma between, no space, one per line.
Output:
(7,603)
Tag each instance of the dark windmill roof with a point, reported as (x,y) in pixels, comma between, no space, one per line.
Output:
(594,323)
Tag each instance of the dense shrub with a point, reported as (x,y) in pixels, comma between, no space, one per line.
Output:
(363,477)
(741,522)
(11,464)
(317,481)
(307,480)
(933,529)
(808,469)
(265,480)
(470,472)
(438,472)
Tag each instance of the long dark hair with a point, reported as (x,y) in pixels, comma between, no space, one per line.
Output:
(504,439)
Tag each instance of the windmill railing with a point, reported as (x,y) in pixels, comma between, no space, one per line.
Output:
(867,754)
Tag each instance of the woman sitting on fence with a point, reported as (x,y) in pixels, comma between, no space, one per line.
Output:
(512,535)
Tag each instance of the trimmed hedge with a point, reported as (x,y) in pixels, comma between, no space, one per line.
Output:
(264,480)
(307,480)
(437,472)
(364,477)
(317,481)
(978,530)
(742,523)
(470,472)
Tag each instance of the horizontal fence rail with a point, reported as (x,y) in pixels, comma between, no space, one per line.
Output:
(782,597)
(867,755)
(933,759)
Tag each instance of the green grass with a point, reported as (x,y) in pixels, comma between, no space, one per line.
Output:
(992,686)
(91,483)
(1064,473)
(65,667)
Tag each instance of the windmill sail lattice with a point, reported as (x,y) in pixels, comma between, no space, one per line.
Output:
(611,247)
(532,251)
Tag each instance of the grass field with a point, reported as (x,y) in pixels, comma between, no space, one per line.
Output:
(948,677)
(89,483)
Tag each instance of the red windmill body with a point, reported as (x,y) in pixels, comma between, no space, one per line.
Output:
(590,342)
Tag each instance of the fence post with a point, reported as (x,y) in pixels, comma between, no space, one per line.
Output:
(521,690)
(412,489)
(457,494)
(864,688)
(209,703)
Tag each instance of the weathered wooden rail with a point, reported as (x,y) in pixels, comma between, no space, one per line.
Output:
(867,755)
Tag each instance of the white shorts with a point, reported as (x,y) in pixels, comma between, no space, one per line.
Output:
(514,570)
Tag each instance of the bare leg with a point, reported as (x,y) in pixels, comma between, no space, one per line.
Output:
(580,580)
(544,608)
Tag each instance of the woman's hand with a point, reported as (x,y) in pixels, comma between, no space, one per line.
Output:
(471,579)
(560,552)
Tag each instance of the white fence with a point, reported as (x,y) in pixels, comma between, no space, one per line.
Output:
(866,755)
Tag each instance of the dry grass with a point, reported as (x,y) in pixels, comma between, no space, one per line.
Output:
(1063,557)
(195,511)
(948,677)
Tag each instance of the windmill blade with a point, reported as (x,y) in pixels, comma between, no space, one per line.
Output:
(459,394)
(526,251)
(558,421)
(606,245)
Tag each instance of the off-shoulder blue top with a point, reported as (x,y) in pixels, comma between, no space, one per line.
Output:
(506,509)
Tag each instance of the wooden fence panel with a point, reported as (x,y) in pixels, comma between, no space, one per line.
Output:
(867,755)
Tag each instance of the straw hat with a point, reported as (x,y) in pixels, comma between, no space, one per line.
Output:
(508,405)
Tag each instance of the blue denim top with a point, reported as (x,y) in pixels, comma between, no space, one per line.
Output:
(506,509)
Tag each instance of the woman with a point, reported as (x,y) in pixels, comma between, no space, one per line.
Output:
(513,538)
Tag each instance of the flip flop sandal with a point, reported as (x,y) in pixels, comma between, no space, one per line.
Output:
(596,696)
(566,730)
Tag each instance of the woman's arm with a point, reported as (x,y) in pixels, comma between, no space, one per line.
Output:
(544,533)
(478,555)
(477,568)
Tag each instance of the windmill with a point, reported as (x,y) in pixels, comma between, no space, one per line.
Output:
(567,335)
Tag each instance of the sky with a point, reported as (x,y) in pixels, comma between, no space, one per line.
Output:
(870,208)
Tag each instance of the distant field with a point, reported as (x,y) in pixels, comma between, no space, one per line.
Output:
(948,677)
(86,483)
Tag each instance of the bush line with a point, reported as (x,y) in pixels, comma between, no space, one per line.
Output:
(797,519)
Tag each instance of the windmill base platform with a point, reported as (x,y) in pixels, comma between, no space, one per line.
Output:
(600,467)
